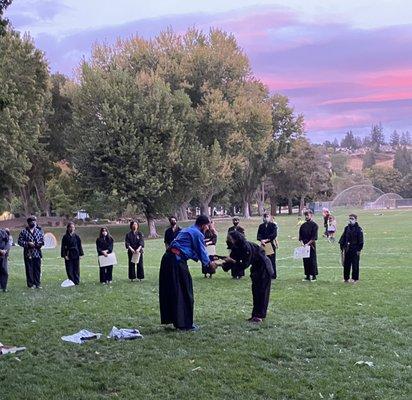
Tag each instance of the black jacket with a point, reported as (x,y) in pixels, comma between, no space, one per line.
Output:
(71,246)
(170,235)
(104,244)
(236,228)
(267,231)
(352,238)
(309,231)
(134,240)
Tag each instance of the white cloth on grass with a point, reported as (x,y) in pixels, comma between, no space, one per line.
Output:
(124,334)
(82,336)
(67,283)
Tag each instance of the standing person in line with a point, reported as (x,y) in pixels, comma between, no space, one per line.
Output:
(4,254)
(267,236)
(326,214)
(134,243)
(71,251)
(236,270)
(32,240)
(261,271)
(351,245)
(210,240)
(308,234)
(331,228)
(175,282)
(104,246)
(172,231)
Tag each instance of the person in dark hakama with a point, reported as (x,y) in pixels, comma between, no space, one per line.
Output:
(134,243)
(4,254)
(71,251)
(175,282)
(261,271)
(32,240)
(308,234)
(210,240)
(351,244)
(236,271)
(267,236)
(171,232)
(104,246)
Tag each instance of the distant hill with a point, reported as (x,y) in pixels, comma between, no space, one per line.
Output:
(355,161)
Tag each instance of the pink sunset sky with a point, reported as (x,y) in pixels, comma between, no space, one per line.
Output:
(345,65)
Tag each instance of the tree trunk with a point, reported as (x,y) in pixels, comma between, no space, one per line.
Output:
(41,198)
(290,207)
(152,226)
(301,204)
(25,199)
(204,205)
(182,211)
(261,200)
(246,209)
(280,209)
(273,207)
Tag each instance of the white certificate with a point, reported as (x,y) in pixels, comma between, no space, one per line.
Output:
(135,258)
(109,260)
(301,252)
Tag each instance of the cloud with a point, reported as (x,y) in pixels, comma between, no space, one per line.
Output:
(338,76)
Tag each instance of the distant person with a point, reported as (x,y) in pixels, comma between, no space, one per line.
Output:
(175,282)
(32,240)
(331,228)
(325,213)
(308,235)
(267,236)
(134,242)
(104,246)
(71,251)
(351,244)
(4,254)
(236,270)
(172,231)
(210,240)
(261,271)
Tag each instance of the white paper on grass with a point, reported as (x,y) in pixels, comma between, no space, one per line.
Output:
(81,337)
(301,252)
(136,258)
(109,260)
(67,283)
(211,250)
(124,334)
(50,241)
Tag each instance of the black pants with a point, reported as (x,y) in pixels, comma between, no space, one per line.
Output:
(272,259)
(136,271)
(33,271)
(73,270)
(351,262)
(175,292)
(4,273)
(310,265)
(106,274)
(260,291)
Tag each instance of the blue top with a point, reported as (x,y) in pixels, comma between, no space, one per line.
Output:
(191,242)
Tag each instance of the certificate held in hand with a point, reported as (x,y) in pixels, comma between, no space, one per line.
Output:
(268,247)
(135,258)
(107,261)
(301,252)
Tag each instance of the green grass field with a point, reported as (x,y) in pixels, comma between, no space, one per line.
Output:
(306,349)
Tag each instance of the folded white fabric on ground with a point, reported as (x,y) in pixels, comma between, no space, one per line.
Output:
(10,349)
(124,334)
(67,283)
(81,337)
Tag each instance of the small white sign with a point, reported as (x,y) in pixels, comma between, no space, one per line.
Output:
(107,261)
(301,252)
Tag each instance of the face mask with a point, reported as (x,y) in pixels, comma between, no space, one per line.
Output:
(352,221)
(32,224)
(266,220)
(173,223)
(307,217)
(235,223)
(104,233)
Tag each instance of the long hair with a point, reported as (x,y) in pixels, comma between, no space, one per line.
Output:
(239,239)
(132,223)
(101,233)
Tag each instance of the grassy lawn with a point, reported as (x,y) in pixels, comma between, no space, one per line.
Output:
(306,349)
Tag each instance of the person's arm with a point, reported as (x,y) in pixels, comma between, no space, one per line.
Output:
(259,234)
(40,243)
(273,233)
(128,244)
(79,245)
(141,244)
(300,234)
(63,247)
(22,240)
(360,240)
(342,240)
(200,248)
(110,246)
(98,248)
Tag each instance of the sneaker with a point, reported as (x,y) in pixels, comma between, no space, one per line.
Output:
(346,281)
(305,279)
(194,328)
(4,290)
(256,320)
(313,279)
(39,287)
(355,280)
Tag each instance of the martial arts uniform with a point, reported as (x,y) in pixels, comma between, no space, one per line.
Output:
(269,231)
(309,231)
(351,243)
(175,282)
(171,234)
(71,248)
(32,255)
(261,273)
(5,246)
(135,240)
(236,271)
(105,243)
(210,240)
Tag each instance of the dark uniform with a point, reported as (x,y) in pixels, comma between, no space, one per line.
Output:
(351,243)
(4,246)
(269,231)
(237,271)
(135,240)
(71,248)
(105,243)
(261,273)
(171,234)
(309,231)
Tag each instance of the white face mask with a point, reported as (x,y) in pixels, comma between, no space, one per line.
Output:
(352,221)
(104,233)
(266,220)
